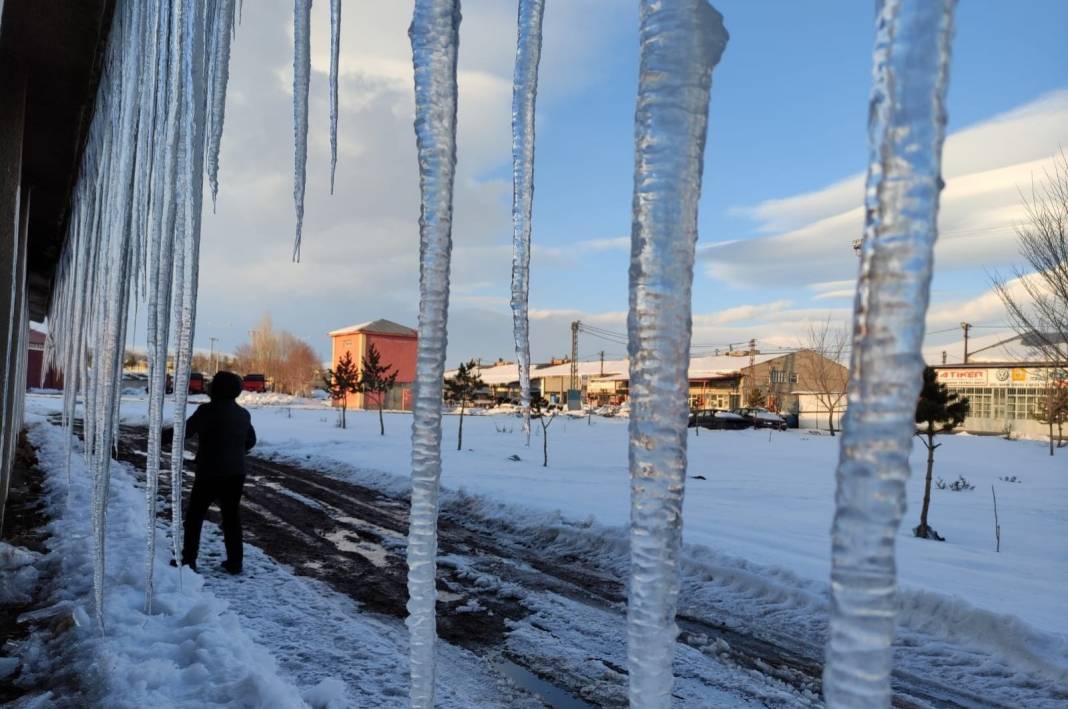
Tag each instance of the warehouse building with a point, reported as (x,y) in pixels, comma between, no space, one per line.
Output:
(396,344)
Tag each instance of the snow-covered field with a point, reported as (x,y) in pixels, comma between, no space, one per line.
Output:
(758,510)
(767,497)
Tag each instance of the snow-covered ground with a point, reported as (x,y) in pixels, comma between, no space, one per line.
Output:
(766,496)
(758,514)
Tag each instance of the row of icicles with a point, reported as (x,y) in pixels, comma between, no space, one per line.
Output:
(134,236)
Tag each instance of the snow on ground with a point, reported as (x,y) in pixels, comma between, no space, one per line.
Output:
(766,497)
(213,640)
(757,518)
(189,652)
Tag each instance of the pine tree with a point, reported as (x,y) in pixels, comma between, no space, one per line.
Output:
(939,410)
(461,388)
(341,382)
(376,379)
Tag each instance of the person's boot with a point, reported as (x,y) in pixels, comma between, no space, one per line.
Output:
(231,567)
(191,564)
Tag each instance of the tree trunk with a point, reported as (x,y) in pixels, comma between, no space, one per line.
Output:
(1051,435)
(381,422)
(460,433)
(921,531)
(545,446)
(343,416)
(830,419)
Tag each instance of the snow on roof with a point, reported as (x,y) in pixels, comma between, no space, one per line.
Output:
(724,365)
(617,370)
(585,369)
(378,327)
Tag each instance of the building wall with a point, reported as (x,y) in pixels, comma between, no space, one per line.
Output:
(805,371)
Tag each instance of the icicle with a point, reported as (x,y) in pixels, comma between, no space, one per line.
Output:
(220,75)
(187,248)
(906,131)
(434,34)
(301,78)
(524,95)
(681,43)
(162,236)
(335,50)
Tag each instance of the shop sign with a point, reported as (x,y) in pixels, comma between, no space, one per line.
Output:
(962,376)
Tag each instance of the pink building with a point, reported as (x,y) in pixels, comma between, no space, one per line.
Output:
(397,346)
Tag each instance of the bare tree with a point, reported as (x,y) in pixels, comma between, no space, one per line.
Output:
(288,361)
(821,370)
(1037,303)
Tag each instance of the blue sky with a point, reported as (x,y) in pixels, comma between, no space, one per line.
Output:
(788,123)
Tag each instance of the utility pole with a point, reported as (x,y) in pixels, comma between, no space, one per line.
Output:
(966,326)
(943,356)
(211,356)
(602,363)
(752,363)
(574,385)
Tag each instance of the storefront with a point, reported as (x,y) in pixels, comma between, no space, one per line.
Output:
(1004,397)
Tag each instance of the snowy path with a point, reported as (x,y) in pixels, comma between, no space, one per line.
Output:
(549,597)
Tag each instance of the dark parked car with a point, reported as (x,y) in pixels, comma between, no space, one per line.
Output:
(254,382)
(196,383)
(762,418)
(718,420)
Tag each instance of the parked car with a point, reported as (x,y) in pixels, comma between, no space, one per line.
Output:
(254,382)
(718,420)
(196,383)
(762,418)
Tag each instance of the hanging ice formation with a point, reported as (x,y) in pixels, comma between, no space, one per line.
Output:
(218,77)
(301,79)
(335,51)
(906,130)
(434,34)
(135,206)
(524,96)
(681,43)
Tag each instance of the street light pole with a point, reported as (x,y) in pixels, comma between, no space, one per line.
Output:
(211,355)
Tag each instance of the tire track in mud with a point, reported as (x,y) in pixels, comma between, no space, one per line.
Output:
(353,537)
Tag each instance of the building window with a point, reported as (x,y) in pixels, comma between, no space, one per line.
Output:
(782,377)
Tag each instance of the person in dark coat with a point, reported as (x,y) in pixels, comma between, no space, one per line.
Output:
(224,434)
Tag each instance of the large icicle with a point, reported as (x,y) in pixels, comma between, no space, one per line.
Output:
(681,43)
(157,268)
(524,96)
(906,131)
(434,34)
(335,55)
(301,79)
(219,77)
(187,245)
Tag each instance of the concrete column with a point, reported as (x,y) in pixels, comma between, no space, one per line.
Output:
(12,263)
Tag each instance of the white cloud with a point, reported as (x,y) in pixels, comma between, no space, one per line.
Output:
(985,167)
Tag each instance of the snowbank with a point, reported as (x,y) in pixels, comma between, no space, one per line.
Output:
(189,652)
